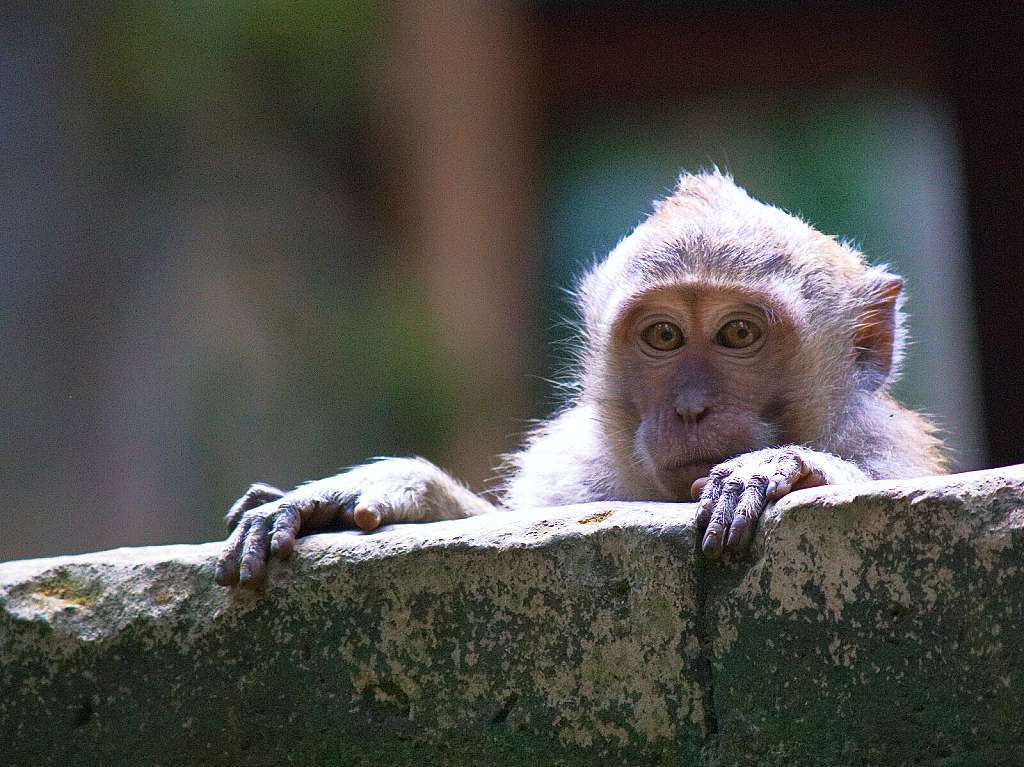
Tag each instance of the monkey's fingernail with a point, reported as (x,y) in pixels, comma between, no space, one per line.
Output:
(245,575)
(737,533)
(712,545)
(225,574)
(366,518)
(281,546)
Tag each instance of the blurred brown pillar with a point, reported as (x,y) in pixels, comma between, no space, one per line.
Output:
(462,74)
(985,67)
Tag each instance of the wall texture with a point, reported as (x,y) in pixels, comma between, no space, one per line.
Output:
(873,624)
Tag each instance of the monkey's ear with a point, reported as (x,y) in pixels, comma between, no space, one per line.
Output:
(878,328)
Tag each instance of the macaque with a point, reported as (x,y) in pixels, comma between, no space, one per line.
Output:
(729,352)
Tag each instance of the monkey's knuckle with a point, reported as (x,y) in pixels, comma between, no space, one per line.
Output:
(254,518)
(750,510)
(720,472)
(734,485)
(788,458)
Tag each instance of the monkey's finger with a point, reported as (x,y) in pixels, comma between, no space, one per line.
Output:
(813,478)
(257,495)
(713,537)
(740,532)
(721,519)
(283,531)
(226,573)
(789,468)
(368,515)
(709,496)
(698,487)
(748,510)
(254,553)
(708,499)
(346,516)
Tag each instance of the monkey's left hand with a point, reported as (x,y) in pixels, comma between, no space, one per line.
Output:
(736,492)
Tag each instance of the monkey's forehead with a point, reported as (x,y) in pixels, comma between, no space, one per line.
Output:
(711,225)
(704,301)
(712,232)
(773,275)
(738,253)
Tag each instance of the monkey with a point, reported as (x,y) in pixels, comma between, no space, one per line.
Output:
(729,353)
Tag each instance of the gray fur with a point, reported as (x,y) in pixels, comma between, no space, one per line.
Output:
(712,231)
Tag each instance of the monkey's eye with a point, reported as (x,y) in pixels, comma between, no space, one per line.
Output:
(738,334)
(663,336)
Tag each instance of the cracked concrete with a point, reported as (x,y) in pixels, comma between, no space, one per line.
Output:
(872,624)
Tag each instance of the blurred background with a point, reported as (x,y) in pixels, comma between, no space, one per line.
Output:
(265,240)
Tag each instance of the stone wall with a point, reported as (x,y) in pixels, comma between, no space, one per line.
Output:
(877,624)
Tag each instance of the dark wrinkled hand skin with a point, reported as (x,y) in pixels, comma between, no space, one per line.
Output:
(243,559)
(736,493)
(265,522)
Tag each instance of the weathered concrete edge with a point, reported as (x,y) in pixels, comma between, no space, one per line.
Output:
(965,485)
(499,530)
(544,525)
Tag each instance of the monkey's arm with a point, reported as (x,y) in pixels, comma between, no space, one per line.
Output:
(265,521)
(736,491)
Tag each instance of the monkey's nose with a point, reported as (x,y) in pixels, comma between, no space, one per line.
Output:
(691,413)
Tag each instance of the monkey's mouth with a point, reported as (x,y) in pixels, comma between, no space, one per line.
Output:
(689,467)
(688,464)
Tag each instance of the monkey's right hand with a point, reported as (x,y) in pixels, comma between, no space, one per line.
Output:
(736,492)
(265,521)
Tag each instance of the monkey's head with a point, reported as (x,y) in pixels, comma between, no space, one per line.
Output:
(723,325)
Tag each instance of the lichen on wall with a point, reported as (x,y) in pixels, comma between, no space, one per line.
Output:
(872,624)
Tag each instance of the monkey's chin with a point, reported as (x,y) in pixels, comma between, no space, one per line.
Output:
(677,479)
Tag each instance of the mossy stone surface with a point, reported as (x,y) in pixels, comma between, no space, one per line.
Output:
(566,636)
(877,624)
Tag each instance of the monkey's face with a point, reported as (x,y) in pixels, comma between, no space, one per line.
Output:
(701,374)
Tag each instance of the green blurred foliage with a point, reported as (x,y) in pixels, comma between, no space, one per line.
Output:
(360,374)
(231,262)
(169,57)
